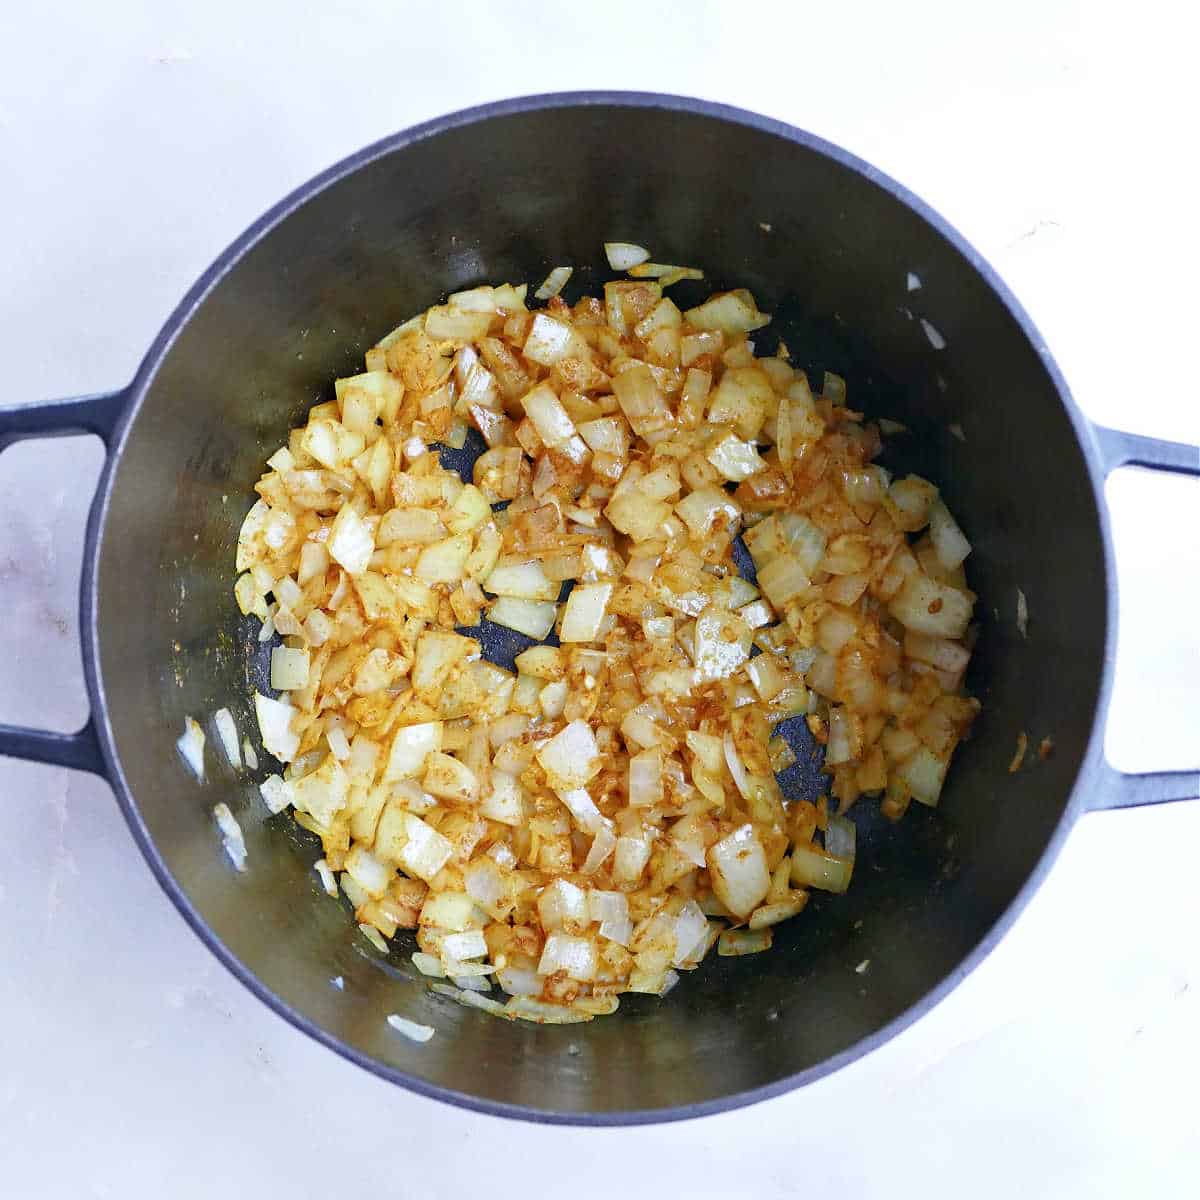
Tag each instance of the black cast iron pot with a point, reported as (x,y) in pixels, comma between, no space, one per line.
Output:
(502,193)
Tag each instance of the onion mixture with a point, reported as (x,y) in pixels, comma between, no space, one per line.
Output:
(599,819)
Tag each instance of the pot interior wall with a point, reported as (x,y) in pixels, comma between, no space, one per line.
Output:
(829,252)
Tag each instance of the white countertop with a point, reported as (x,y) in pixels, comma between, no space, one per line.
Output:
(132,149)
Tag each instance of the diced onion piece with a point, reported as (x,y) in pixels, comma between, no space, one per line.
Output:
(410,1029)
(425,851)
(533,618)
(474,1000)
(730,312)
(571,757)
(630,858)
(780,910)
(702,509)
(322,793)
(368,872)
(812,867)
(519,981)
(276,793)
(410,747)
(603,845)
(722,643)
(652,983)
(624,255)
(733,942)
(454,911)
(228,734)
(373,936)
(574,956)
(646,778)
(554,283)
(734,459)
(841,838)
(275,726)
(429,964)
(462,947)
(191,746)
(231,835)
(584,612)
(583,808)
(949,541)
(923,774)
(526,1008)
(289,669)
(249,756)
(563,906)
(738,867)
(550,341)
(691,928)
(524,581)
(926,606)
(351,542)
(325,874)
(503,801)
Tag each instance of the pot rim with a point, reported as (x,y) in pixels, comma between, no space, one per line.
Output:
(196,296)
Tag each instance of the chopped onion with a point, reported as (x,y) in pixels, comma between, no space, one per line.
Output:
(949,542)
(935,338)
(623,255)
(249,755)
(463,946)
(603,845)
(780,910)
(743,941)
(228,734)
(410,1029)
(368,872)
(691,928)
(739,872)
(583,808)
(841,838)
(584,612)
(426,851)
(812,867)
(275,726)
(277,793)
(519,981)
(587,809)
(526,1008)
(553,283)
(374,937)
(563,906)
(191,746)
(571,757)
(428,964)
(328,882)
(231,836)
(409,749)
(574,956)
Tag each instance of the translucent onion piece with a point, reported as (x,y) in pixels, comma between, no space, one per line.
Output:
(231,835)
(191,746)
(228,735)
(624,255)
(411,1029)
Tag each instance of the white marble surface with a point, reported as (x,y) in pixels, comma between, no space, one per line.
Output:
(134,146)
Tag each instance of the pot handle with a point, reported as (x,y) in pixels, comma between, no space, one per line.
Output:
(1113,788)
(99,414)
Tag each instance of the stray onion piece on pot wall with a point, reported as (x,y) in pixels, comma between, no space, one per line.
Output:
(601,819)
